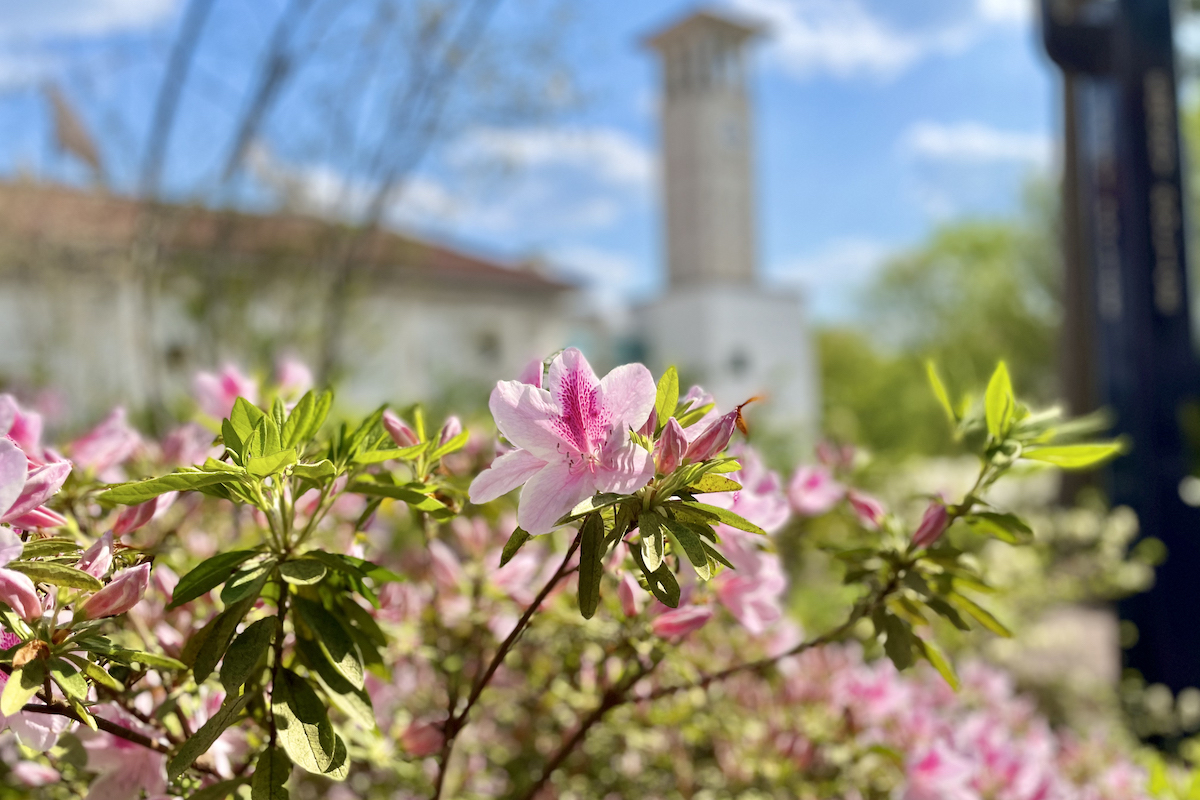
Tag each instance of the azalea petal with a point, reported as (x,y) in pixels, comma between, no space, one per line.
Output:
(625,469)
(505,474)
(629,393)
(11,546)
(532,374)
(549,494)
(569,371)
(527,417)
(14,466)
(8,413)
(38,732)
(40,517)
(40,486)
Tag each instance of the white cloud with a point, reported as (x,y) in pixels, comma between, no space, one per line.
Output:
(41,19)
(845,39)
(607,154)
(832,276)
(974,143)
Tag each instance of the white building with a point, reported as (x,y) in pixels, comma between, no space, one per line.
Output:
(717,321)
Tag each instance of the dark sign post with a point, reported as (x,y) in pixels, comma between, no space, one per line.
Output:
(1119,61)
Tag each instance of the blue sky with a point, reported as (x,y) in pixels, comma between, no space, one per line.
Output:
(876,121)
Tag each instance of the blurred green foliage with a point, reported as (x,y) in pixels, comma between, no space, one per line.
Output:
(976,291)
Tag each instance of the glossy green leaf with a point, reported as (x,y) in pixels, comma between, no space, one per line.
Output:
(247,582)
(154,660)
(303,572)
(244,417)
(686,539)
(723,515)
(98,674)
(132,494)
(44,548)
(713,483)
(218,638)
(454,445)
(315,472)
(939,661)
(339,770)
(985,617)
(661,582)
(1005,527)
(667,397)
(1074,456)
(653,544)
(416,500)
(23,683)
(262,466)
(588,505)
(57,574)
(303,725)
(591,564)
(939,391)
(245,653)
(999,403)
(68,679)
(271,773)
(199,742)
(515,542)
(207,576)
(331,637)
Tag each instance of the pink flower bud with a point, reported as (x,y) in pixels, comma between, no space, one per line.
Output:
(714,439)
(422,739)
(650,425)
(813,491)
(452,427)
(671,447)
(630,595)
(133,517)
(933,525)
(98,558)
(868,510)
(681,621)
(401,434)
(532,374)
(121,594)
(18,593)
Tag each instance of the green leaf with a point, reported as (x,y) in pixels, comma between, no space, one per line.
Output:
(722,515)
(949,612)
(68,678)
(335,643)
(218,638)
(233,442)
(713,483)
(271,774)
(315,472)
(939,661)
(207,576)
(355,703)
(306,419)
(416,500)
(356,440)
(244,417)
(262,466)
(154,660)
(985,617)
(589,505)
(451,446)
(98,674)
(303,572)
(591,564)
(57,574)
(247,582)
(653,546)
(515,542)
(1005,527)
(245,652)
(661,582)
(218,791)
(667,397)
(1074,456)
(999,403)
(939,391)
(199,742)
(304,729)
(43,548)
(694,415)
(131,494)
(900,640)
(339,770)
(686,539)
(23,684)
(400,454)
(278,413)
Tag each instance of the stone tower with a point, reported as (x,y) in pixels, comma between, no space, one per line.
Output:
(707,151)
(717,321)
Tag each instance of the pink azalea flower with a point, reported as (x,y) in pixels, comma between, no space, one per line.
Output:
(940,774)
(189,444)
(681,621)
(24,490)
(38,732)
(631,595)
(216,393)
(120,595)
(572,439)
(813,491)
(30,773)
(23,427)
(107,445)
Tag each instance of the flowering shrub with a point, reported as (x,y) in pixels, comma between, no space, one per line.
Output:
(478,651)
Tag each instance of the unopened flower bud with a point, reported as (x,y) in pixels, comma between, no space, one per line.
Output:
(630,595)
(714,439)
(681,621)
(671,447)
(122,594)
(134,517)
(18,593)
(868,510)
(398,429)
(451,428)
(96,560)
(933,525)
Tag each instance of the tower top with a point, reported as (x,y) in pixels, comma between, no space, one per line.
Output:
(703,24)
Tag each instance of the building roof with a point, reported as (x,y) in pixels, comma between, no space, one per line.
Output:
(696,22)
(80,220)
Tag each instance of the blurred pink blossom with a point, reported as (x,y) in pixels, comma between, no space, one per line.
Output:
(681,621)
(813,491)
(293,377)
(870,511)
(933,524)
(107,445)
(422,739)
(216,393)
